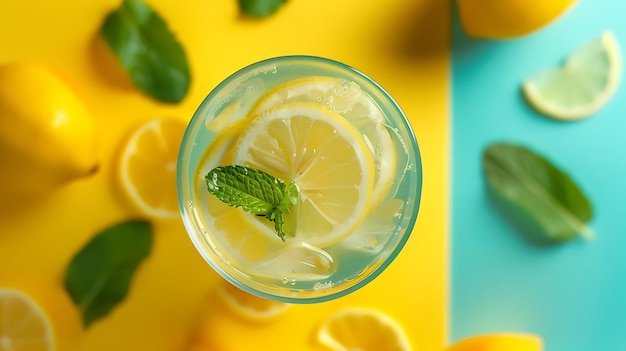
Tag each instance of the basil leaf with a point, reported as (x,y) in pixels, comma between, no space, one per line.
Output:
(99,275)
(540,199)
(260,8)
(148,51)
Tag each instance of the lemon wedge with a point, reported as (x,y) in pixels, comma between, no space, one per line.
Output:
(362,329)
(582,86)
(147,167)
(325,156)
(346,99)
(248,306)
(499,342)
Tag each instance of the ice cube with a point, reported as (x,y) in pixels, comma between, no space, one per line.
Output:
(297,261)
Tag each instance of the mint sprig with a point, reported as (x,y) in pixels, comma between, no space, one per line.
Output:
(255,191)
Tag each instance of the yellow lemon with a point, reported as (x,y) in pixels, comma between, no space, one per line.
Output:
(248,306)
(497,19)
(362,329)
(37,315)
(499,342)
(47,135)
(147,167)
(325,156)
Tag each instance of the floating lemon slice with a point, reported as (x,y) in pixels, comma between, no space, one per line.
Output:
(582,86)
(499,342)
(147,167)
(362,329)
(346,99)
(325,156)
(236,229)
(249,306)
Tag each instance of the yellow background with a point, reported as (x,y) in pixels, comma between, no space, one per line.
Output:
(402,44)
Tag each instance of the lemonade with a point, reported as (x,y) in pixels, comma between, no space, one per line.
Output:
(331,144)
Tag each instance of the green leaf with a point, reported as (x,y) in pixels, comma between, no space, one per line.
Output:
(254,191)
(100,274)
(260,8)
(148,51)
(542,200)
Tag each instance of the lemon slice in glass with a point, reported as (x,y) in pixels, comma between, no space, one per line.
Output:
(325,156)
(236,229)
(582,86)
(346,99)
(362,329)
(147,167)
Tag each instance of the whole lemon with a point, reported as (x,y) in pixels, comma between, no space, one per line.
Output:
(499,342)
(47,135)
(498,19)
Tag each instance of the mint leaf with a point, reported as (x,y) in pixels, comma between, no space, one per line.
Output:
(260,8)
(540,199)
(99,275)
(148,51)
(254,191)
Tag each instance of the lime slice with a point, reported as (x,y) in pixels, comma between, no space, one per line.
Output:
(325,156)
(582,86)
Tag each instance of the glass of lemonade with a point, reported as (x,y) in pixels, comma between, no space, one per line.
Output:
(347,147)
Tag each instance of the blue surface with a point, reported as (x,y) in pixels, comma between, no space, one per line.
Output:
(574,294)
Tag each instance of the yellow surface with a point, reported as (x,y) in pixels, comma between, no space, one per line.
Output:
(401,44)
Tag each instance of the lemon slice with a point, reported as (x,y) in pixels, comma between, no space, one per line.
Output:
(24,325)
(497,342)
(362,329)
(347,99)
(236,230)
(147,167)
(248,306)
(36,314)
(325,156)
(582,86)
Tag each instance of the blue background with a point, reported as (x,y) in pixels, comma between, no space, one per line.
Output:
(574,294)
